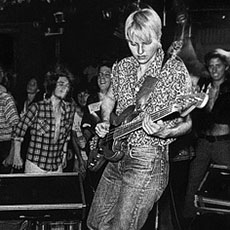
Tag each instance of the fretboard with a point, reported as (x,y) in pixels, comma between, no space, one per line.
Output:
(132,126)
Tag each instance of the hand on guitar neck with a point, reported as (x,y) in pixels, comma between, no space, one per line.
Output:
(157,128)
(102,128)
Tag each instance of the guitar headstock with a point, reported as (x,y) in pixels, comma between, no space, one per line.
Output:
(201,96)
(177,44)
(191,101)
(201,99)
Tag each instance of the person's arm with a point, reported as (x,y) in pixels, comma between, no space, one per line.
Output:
(64,156)
(88,122)
(19,132)
(182,125)
(17,159)
(107,107)
(161,130)
(78,143)
(11,112)
(13,119)
(77,149)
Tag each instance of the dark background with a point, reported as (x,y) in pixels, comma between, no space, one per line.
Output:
(93,31)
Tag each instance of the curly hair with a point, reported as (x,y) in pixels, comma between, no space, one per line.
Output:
(52,77)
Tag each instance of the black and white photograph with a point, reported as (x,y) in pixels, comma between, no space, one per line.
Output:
(114,115)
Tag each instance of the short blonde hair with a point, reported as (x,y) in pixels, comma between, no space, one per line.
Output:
(143,24)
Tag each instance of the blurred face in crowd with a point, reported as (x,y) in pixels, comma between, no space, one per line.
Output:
(104,78)
(216,68)
(32,86)
(82,98)
(62,87)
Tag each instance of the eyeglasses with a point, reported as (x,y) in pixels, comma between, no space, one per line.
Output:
(106,74)
(63,84)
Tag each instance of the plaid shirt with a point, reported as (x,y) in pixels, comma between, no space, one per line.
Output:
(8,116)
(43,150)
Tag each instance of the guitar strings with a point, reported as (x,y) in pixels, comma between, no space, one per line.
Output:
(136,124)
(157,115)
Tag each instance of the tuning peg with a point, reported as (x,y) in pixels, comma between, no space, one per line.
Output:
(208,88)
(202,89)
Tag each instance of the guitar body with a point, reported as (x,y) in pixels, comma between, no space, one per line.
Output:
(101,149)
(96,155)
(116,151)
(126,116)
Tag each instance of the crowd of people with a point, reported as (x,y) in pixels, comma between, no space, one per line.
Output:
(59,127)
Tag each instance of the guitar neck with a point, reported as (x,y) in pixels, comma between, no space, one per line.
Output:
(132,126)
(188,103)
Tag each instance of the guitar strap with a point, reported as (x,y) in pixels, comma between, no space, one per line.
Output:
(144,92)
(150,82)
(146,88)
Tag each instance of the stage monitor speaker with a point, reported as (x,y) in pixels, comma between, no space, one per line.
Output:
(42,196)
(213,194)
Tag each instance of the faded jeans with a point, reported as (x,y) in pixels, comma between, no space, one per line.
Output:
(128,189)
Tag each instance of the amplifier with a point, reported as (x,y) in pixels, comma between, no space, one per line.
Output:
(213,194)
(42,196)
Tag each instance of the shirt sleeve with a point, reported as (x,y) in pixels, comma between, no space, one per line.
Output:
(182,83)
(11,112)
(26,121)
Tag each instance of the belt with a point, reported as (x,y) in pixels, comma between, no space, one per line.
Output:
(216,138)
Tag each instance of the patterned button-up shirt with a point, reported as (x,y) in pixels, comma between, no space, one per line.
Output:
(173,80)
(44,150)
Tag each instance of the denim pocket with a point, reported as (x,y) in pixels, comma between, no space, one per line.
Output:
(143,154)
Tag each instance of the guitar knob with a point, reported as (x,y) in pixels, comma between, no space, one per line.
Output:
(98,156)
(91,164)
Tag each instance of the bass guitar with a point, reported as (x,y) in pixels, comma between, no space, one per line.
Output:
(131,121)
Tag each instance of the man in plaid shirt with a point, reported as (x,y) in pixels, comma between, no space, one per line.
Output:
(50,122)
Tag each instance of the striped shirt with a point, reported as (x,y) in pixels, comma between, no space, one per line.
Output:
(8,116)
(45,149)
